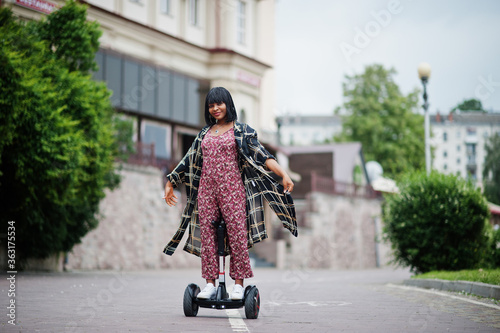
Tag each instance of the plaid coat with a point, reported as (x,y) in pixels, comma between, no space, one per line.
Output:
(258,183)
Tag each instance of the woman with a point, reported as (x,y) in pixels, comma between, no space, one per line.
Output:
(224,174)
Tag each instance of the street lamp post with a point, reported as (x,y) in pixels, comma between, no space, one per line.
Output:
(424,72)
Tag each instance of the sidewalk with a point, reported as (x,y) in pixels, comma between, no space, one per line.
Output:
(291,301)
(475,288)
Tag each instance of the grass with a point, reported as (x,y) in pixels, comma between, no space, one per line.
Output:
(491,276)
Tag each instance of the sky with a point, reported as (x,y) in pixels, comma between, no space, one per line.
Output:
(318,42)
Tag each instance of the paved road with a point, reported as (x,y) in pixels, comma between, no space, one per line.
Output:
(292,301)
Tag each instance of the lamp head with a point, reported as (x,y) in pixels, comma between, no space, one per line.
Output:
(424,71)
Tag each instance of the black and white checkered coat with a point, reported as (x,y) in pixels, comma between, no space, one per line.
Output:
(258,183)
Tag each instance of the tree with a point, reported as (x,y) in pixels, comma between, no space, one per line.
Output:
(58,133)
(491,169)
(383,120)
(437,222)
(469,105)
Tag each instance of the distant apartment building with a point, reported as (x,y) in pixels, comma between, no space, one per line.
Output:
(299,130)
(160,58)
(458,142)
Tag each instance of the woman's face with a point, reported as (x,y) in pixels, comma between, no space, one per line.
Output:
(218,111)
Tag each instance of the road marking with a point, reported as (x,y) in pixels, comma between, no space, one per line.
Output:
(443,294)
(310,303)
(237,323)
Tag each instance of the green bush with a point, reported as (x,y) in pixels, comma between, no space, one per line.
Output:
(436,222)
(59,137)
(491,257)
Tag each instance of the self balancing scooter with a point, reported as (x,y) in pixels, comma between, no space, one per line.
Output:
(221,300)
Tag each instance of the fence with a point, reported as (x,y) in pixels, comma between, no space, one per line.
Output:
(330,186)
(144,154)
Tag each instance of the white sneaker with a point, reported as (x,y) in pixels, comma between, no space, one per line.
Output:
(237,293)
(207,292)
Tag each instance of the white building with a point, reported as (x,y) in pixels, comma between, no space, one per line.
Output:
(458,142)
(298,130)
(160,58)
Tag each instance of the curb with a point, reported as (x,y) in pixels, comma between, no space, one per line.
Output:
(476,288)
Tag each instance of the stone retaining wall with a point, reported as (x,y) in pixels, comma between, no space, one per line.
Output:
(136,225)
(334,231)
(340,233)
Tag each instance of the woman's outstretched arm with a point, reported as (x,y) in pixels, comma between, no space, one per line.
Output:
(272,165)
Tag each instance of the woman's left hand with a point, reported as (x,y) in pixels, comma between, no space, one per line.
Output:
(287,184)
(272,165)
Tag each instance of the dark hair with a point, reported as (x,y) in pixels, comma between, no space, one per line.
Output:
(220,95)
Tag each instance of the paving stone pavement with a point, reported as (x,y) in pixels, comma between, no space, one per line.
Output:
(291,301)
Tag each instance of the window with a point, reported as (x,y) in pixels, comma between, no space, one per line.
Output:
(445,166)
(132,92)
(445,137)
(99,74)
(458,160)
(471,131)
(192,107)
(445,153)
(241,21)
(145,89)
(113,77)
(179,97)
(194,12)
(158,135)
(137,1)
(458,147)
(164,106)
(471,154)
(148,88)
(165,7)
(243,116)
(458,134)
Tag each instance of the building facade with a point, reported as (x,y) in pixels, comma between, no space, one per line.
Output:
(299,130)
(160,58)
(458,142)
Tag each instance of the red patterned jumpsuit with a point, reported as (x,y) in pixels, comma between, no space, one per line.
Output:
(221,187)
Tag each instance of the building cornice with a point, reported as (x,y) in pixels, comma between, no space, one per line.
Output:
(212,51)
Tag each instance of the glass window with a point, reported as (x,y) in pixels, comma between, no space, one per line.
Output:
(143,88)
(149,87)
(158,135)
(165,105)
(458,160)
(179,97)
(243,116)
(445,166)
(445,153)
(445,137)
(194,12)
(458,147)
(193,102)
(165,7)
(113,76)
(471,131)
(471,149)
(241,21)
(132,92)
(99,74)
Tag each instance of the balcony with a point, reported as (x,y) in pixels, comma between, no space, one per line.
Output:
(330,186)
(144,155)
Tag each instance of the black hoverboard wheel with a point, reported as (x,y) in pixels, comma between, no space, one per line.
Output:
(190,307)
(252,303)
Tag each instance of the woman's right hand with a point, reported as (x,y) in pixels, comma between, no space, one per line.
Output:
(170,197)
